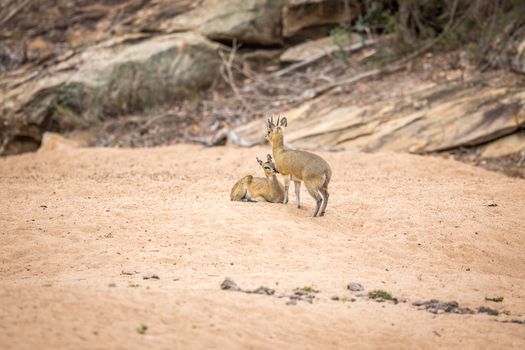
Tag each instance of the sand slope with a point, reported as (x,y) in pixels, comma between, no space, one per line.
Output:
(72,220)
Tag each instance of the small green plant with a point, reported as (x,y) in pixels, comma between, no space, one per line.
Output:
(379,293)
(305,290)
(133,285)
(194,101)
(494,299)
(108,235)
(341,38)
(377,19)
(281,64)
(345,299)
(142,329)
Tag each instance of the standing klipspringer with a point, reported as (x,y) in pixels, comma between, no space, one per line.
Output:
(299,166)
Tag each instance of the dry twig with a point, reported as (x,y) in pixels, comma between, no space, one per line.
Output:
(14,12)
(229,78)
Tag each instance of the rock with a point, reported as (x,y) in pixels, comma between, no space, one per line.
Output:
(504,146)
(300,14)
(291,302)
(151,275)
(435,306)
(355,287)
(52,141)
(488,310)
(263,290)
(246,21)
(313,48)
(127,272)
(454,117)
(262,22)
(334,297)
(307,50)
(228,284)
(124,75)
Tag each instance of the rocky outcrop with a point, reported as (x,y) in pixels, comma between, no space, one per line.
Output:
(246,21)
(120,76)
(168,55)
(263,22)
(434,119)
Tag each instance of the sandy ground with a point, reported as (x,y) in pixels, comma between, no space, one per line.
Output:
(71,221)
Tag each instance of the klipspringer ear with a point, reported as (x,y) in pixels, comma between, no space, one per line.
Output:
(259,161)
(284,122)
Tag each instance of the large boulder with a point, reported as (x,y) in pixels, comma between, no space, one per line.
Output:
(125,75)
(263,22)
(247,21)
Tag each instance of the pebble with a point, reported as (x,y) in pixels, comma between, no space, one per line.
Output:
(151,275)
(228,284)
(355,287)
(488,310)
